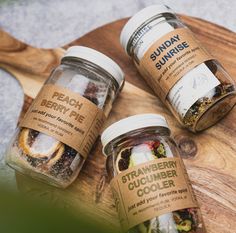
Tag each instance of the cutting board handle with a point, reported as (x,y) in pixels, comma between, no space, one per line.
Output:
(31,66)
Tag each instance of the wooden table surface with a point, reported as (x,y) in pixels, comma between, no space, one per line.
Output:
(210,156)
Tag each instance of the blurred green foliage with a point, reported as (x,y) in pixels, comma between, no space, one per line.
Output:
(21,214)
(8,1)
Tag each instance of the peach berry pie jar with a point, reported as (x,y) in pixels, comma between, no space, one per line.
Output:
(61,126)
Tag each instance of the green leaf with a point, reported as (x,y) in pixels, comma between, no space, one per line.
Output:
(20,214)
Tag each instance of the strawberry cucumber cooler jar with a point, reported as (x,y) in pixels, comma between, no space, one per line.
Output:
(61,126)
(189,80)
(150,185)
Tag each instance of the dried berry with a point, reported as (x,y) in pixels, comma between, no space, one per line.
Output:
(125,154)
(218,91)
(92,99)
(123,164)
(91,93)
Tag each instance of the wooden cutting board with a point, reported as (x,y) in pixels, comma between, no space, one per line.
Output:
(210,156)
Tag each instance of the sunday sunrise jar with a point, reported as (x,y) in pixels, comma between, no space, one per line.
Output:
(150,184)
(192,83)
(61,126)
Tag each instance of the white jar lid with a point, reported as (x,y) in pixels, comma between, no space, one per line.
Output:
(99,59)
(140,18)
(129,124)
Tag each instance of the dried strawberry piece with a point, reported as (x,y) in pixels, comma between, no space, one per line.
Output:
(153,144)
(156,144)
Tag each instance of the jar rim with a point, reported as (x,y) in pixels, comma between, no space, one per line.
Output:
(140,18)
(99,59)
(129,124)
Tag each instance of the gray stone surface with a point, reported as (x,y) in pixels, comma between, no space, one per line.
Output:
(52,23)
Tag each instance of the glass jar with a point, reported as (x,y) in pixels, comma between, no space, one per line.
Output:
(150,184)
(61,126)
(192,83)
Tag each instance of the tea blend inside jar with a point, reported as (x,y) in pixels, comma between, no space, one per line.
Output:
(150,184)
(61,126)
(189,80)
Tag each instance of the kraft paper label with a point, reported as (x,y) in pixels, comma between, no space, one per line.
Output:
(66,116)
(152,189)
(170,58)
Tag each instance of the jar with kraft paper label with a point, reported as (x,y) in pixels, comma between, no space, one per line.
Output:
(61,126)
(189,80)
(149,182)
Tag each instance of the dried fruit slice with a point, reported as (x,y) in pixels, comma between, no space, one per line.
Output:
(62,168)
(37,145)
(56,156)
(123,159)
(133,156)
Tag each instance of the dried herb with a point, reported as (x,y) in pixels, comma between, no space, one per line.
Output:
(201,105)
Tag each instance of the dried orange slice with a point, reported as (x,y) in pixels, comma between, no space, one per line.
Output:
(56,156)
(122,160)
(38,145)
